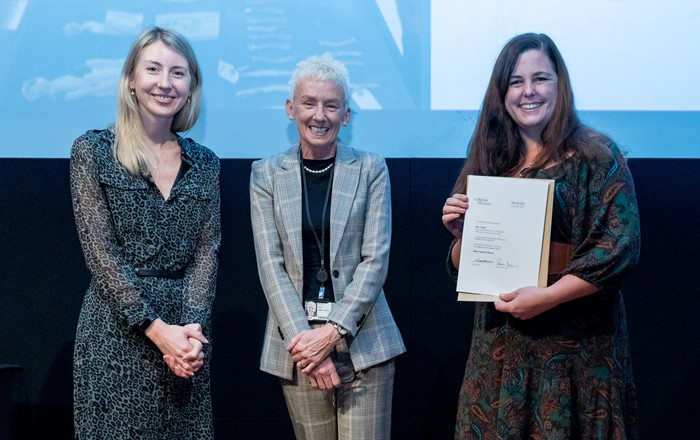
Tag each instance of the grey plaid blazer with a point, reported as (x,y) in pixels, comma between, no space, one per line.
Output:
(359,255)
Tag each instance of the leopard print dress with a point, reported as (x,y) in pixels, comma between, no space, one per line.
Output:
(122,387)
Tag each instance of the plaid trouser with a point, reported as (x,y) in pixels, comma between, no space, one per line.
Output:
(359,410)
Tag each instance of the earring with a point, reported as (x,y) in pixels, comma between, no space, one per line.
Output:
(291,118)
(189,99)
(133,92)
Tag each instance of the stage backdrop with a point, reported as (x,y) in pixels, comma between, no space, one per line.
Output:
(418,69)
(43,279)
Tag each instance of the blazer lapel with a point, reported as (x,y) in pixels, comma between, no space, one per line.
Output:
(345,180)
(288,195)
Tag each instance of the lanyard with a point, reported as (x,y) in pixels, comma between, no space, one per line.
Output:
(322,275)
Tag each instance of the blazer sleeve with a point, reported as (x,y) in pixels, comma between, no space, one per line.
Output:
(282,297)
(370,274)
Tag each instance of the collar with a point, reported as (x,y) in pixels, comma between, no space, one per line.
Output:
(343,154)
(186,150)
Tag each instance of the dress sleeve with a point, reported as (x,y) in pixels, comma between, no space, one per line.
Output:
(605,229)
(115,279)
(200,277)
(452,271)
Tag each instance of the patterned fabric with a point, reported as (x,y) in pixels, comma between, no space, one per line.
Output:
(122,387)
(360,238)
(359,255)
(565,374)
(360,409)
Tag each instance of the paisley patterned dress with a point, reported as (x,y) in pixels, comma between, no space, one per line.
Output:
(122,387)
(565,374)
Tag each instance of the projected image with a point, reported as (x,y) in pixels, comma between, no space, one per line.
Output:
(418,69)
(65,57)
(622,55)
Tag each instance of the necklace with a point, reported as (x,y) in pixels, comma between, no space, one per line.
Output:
(156,162)
(159,158)
(526,169)
(322,275)
(321,171)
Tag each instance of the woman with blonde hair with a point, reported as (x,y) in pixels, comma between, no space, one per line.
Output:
(146,204)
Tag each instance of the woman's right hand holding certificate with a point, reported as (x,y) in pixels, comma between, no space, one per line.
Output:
(453,218)
(453,213)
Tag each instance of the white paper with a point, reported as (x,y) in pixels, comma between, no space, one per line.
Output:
(502,241)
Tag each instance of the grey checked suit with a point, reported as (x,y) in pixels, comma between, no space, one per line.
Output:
(359,255)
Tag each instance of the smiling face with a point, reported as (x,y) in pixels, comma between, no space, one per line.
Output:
(532,93)
(161,81)
(319,110)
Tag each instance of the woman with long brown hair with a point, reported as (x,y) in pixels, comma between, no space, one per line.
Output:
(551,362)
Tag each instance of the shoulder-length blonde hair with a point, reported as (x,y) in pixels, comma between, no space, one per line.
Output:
(130,139)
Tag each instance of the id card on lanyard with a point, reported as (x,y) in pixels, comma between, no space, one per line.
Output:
(318,311)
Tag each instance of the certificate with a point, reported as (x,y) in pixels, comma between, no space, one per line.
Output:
(505,239)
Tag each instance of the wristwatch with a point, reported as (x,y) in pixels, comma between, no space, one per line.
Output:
(143,325)
(341,331)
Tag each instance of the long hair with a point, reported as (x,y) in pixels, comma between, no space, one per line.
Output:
(496,146)
(131,141)
(322,68)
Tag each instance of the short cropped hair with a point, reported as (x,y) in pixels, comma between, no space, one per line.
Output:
(322,68)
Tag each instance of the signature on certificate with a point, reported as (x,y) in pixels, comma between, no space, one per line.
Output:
(504,264)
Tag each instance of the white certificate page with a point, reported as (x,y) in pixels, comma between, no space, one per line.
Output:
(503,236)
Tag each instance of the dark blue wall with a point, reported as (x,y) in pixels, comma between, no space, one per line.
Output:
(43,278)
